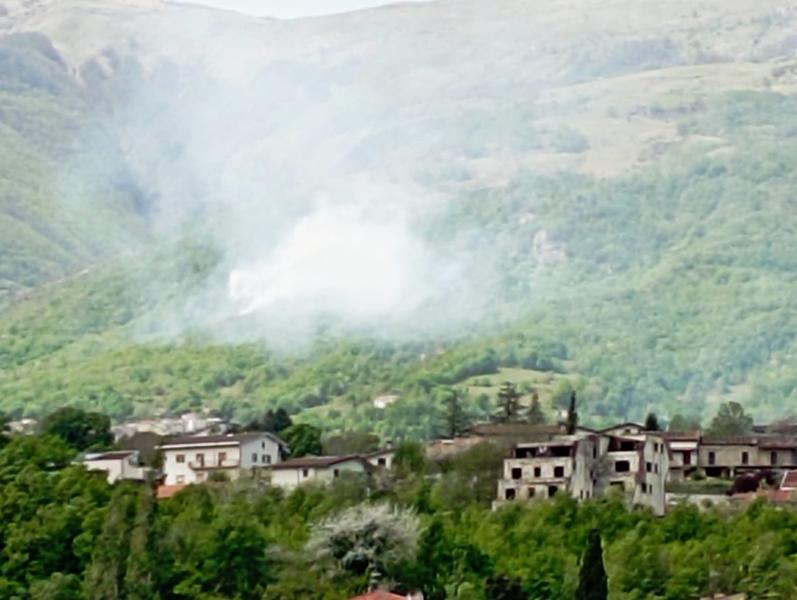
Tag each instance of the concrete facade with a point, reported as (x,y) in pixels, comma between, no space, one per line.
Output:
(315,469)
(119,465)
(192,459)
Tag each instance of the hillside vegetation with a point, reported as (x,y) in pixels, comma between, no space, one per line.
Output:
(623,200)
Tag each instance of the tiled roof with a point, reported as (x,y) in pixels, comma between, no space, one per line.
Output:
(742,440)
(209,440)
(789,480)
(315,462)
(116,455)
(379,595)
(682,436)
(167,491)
(514,429)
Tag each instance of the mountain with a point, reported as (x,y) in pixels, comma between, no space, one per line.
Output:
(238,213)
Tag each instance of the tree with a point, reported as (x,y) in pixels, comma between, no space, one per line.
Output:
(572,415)
(5,421)
(351,442)
(456,420)
(680,422)
(303,439)
(365,539)
(535,415)
(592,582)
(500,587)
(508,403)
(731,421)
(272,421)
(652,422)
(80,429)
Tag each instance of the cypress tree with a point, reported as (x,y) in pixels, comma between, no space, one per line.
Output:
(592,582)
(572,415)
(535,414)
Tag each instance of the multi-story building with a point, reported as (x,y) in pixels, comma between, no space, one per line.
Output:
(566,464)
(192,459)
(120,465)
(587,464)
(316,469)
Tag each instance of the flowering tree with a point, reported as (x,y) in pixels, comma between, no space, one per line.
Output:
(365,539)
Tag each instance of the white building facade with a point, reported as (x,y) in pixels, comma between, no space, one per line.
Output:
(119,465)
(316,469)
(193,459)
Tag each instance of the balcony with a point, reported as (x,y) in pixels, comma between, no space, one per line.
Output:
(207,465)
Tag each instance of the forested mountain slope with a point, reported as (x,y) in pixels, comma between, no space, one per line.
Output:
(600,195)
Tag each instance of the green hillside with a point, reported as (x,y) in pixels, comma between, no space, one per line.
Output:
(627,227)
(66,199)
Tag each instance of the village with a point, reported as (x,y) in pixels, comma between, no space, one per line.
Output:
(651,468)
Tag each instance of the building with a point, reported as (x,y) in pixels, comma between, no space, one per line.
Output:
(193,459)
(684,456)
(119,465)
(381,458)
(506,434)
(587,464)
(316,469)
(567,464)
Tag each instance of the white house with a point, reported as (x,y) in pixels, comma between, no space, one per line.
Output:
(119,465)
(192,459)
(320,469)
(381,458)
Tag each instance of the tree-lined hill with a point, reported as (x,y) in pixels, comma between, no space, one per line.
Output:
(605,191)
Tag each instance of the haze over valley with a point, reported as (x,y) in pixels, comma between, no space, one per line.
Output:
(204,209)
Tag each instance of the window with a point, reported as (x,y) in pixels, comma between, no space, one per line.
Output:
(558,471)
(745,458)
(222,458)
(644,487)
(200,459)
(655,467)
(537,471)
(305,472)
(509,493)
(622,466)
(712,458)
(594,452)
(552,489)
(262,445)
(517,473)
(180,479)
(532,492)
(254,456)
(336,473)
(180,458)
(382,462)
(773,458)
(648,467)
(267,459)
(687,460)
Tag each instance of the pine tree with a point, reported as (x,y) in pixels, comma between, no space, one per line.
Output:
(652,422)
(456,420)
(572,415)
(535,414)
(592,581)
(508,403)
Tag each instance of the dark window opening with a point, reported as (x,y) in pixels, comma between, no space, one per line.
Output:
(773,458)
(745,458)
(532,492)
(517,473)
(509,493)
(622,466)
(627,446)
(336,473)
(552,490)
(712,458)
(305,472)
(687,458)
(537,472)
(558,471)
(648,467)
(381,462)
(560,451)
